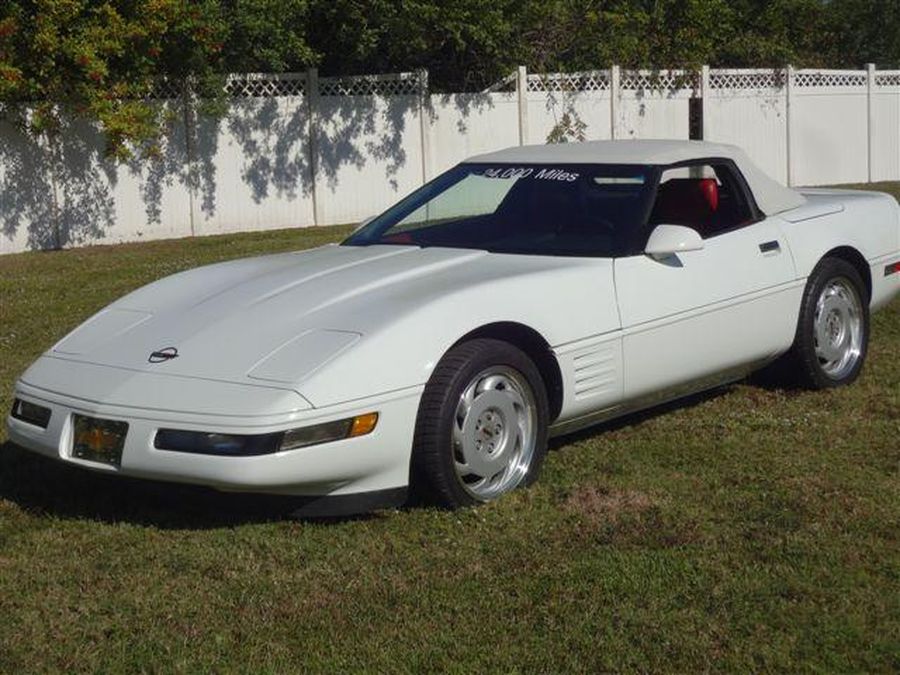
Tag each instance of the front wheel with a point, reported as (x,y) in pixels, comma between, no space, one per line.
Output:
(832,336)
(481,429)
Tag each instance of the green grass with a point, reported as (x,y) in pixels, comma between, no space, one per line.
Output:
(747,529)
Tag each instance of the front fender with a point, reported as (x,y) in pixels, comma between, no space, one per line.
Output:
(562,304)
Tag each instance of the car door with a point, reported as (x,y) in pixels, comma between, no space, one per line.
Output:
(694,317)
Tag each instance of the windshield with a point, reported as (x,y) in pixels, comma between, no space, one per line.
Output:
(578,210)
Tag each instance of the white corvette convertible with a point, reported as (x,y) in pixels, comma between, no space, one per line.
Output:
(522,294)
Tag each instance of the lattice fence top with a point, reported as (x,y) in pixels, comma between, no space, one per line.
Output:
(595,80)
(746,79)
(255,85)
(890,78)
(244,85)
(662,80)
(264,85)
(400,84)
(830,78)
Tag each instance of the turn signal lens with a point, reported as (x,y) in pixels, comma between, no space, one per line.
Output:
(329,431)
(363,424)
(320,433)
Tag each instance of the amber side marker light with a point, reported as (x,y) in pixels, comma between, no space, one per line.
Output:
(363,424)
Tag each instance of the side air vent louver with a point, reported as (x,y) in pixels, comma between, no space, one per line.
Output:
(595,371)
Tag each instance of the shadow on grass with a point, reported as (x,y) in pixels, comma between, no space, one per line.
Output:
(43,486)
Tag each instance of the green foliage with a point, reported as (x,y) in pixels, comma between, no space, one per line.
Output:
(267,36)
(101,59)
(595,34)
(465,44)
(871,31)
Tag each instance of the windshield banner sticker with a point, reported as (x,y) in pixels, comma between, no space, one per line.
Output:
(516,173)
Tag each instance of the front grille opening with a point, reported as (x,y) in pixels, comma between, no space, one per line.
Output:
(31,413)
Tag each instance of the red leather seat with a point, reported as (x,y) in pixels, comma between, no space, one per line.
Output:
(687,201)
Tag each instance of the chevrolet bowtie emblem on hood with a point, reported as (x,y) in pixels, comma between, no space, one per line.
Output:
(166,354)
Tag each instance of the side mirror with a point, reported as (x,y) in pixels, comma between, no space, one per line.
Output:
(666,240)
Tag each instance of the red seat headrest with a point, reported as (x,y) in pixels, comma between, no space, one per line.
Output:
(710,189)
(687,201)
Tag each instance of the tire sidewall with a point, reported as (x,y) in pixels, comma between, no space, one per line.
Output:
(433,455)
(826,271)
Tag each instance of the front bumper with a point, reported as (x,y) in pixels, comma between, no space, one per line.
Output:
(378,461)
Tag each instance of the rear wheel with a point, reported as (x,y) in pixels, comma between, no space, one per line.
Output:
(832,336)
(481,429)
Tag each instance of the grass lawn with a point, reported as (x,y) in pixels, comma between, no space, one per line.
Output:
(747,529)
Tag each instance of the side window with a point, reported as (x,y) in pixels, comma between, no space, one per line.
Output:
(706,197)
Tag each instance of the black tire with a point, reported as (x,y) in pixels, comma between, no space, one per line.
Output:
(801,365)
(433,477)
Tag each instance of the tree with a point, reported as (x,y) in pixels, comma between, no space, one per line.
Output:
(268,36)
(102,61)
(465,44)
(868,31)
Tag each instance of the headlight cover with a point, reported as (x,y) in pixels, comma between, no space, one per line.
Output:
(244,445)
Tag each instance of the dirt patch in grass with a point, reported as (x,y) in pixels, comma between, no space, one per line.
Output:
(610,516)
(601,505)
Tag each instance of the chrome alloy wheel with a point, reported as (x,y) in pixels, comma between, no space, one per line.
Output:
(494,432)
(838,326)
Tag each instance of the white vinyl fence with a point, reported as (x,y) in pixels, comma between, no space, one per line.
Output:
(297,150)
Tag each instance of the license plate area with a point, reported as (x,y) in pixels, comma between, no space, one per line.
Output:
(98,440)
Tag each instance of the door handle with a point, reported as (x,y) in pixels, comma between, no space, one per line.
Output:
(769,246)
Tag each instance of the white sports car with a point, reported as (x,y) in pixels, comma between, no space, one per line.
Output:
(521,294)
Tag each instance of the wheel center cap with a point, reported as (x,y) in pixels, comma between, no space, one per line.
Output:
(833,325)
(489,431)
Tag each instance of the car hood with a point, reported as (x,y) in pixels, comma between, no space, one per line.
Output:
(275,318)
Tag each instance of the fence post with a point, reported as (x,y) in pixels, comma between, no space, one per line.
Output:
(424,136)
(705,93)
(189,121)
(522,91)
(615,77)
(788,121)
(870,121)
(312,106)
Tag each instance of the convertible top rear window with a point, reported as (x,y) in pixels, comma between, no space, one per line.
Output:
(576,210)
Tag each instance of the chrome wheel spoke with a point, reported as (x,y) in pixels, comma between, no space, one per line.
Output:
(466,399)
(826,351)
(517,400)
(458,438)
(492,382)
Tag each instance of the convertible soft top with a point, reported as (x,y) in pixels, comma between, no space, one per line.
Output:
(771,196)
